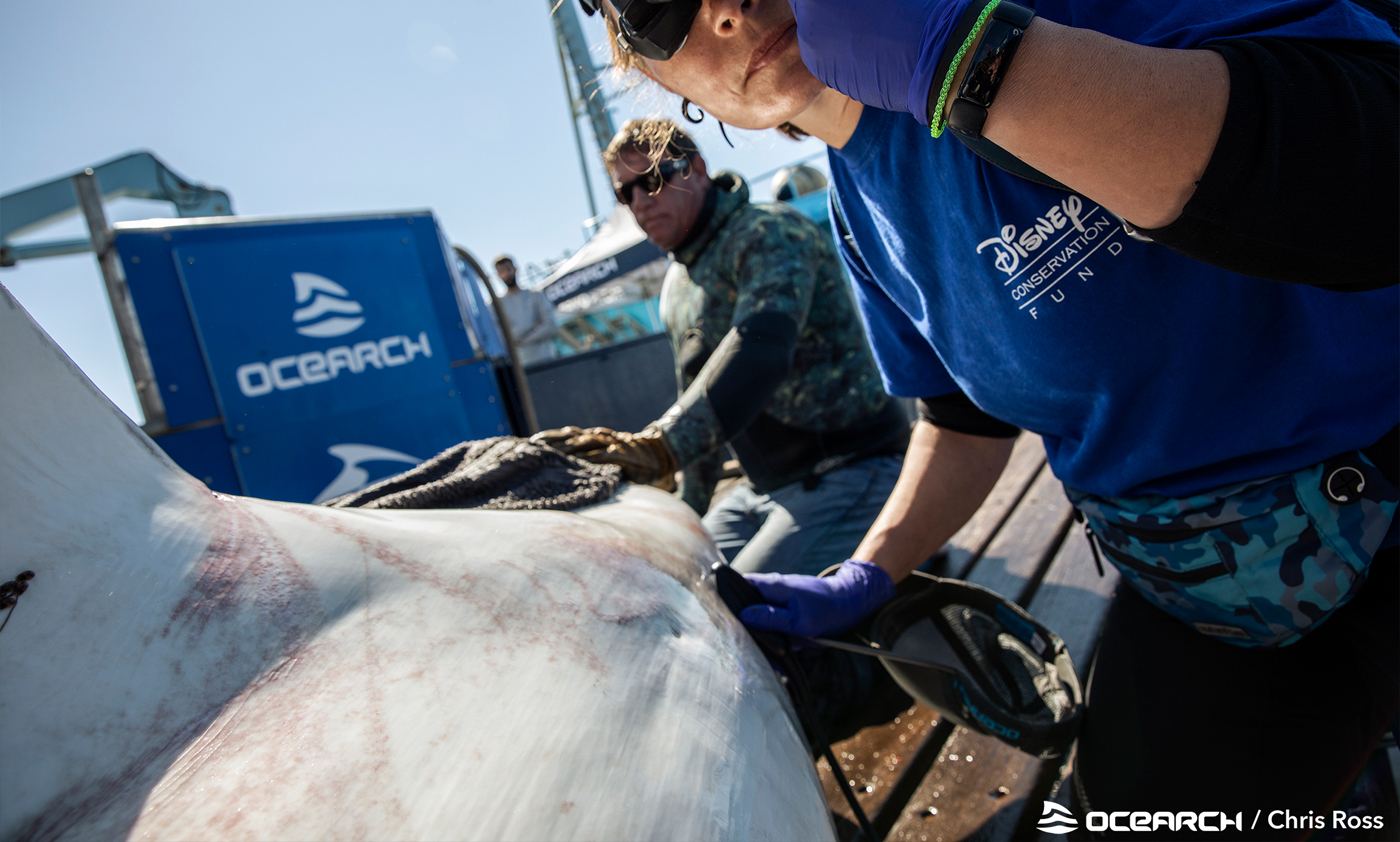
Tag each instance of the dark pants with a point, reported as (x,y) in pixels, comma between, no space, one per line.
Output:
(1177,721)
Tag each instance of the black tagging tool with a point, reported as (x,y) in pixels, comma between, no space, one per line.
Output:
(737,592)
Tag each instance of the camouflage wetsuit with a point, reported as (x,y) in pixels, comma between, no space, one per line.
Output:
(742,260)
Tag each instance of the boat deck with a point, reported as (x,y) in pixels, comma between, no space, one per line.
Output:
(923,779)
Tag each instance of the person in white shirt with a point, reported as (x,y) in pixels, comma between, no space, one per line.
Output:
(531,316)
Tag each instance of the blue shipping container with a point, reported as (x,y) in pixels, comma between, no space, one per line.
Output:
(329,353)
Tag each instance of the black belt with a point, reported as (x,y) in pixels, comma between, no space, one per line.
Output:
(774,454)
(1385,453)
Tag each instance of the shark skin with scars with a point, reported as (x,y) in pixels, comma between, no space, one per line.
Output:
(191,665)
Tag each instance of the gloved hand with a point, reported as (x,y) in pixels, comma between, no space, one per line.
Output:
(884,53)
(645,458)
(813,606)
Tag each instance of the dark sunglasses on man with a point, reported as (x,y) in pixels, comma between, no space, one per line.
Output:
(652,180)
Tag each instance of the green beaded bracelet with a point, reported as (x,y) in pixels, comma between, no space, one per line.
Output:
(939,124)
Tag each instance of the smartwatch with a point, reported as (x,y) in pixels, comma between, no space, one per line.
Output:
(1000,37)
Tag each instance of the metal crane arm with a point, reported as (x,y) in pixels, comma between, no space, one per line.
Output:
(139,175)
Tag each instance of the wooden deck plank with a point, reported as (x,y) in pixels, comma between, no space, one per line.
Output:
(875,759)
(968,543)
(975,790)
(1023,545)
(1073,598)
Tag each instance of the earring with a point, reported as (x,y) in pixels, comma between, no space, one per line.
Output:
(685,112)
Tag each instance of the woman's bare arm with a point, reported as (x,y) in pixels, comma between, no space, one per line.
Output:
(946,477)
(1128,126)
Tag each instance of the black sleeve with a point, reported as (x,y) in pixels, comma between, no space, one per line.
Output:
(1385,454)
(1304,183)
(748,366)
(958,413)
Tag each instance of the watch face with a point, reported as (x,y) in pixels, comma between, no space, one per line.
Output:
(989,63)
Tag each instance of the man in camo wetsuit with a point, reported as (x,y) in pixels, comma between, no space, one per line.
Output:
(770,358)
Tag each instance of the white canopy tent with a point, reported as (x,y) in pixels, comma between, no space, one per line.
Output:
(618,248)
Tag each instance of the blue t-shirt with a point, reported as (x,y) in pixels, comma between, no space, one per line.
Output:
(1145,372)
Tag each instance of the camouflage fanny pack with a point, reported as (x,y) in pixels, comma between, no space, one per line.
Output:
(1256,564)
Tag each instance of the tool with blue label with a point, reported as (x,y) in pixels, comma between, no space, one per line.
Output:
(963,650)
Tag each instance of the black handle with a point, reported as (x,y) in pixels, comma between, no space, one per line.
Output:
(737,592)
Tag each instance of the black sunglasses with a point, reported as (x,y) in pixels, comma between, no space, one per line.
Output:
(652,28)
(652,180)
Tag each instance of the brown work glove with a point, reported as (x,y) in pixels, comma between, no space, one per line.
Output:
(645,458)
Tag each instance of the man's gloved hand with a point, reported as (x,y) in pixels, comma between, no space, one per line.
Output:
(884,53)
(812,606)
(645,458)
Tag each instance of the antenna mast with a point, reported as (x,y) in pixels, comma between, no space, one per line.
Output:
(582,86)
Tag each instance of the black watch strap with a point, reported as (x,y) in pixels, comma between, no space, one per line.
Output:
(987,68)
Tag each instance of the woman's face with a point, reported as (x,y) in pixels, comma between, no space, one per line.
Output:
(741,64)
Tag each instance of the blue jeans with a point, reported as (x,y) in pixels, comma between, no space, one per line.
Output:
(793,530)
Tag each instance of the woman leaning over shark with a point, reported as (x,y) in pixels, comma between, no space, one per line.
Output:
(1230,439)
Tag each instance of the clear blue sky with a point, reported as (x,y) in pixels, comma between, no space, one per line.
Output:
(307,108)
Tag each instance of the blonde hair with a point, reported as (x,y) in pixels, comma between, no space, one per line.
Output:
(623,61)
(657,138)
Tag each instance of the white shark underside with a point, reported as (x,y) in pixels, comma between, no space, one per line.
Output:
(189,665)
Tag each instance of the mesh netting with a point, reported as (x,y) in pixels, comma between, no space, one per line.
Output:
(497,473)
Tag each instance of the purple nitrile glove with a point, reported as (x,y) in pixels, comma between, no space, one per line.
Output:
(882,52)
(812,606)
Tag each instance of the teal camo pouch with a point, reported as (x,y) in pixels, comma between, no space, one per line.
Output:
(1256,564)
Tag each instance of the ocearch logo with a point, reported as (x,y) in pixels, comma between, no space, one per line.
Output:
(574,281)
(352,476)
(326,298)
(1056,819)
(324,288)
